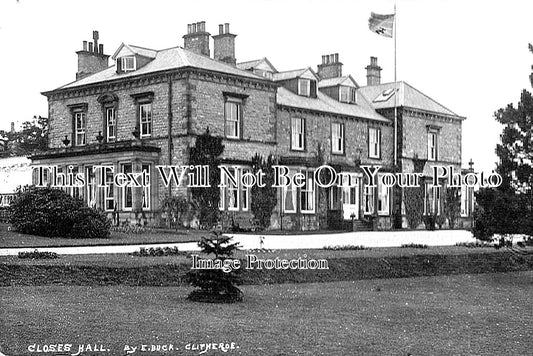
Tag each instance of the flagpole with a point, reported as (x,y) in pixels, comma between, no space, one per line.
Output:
(395,96)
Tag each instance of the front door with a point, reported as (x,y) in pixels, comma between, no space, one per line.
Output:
(350,202)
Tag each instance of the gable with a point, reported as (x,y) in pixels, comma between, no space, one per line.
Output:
(122,51)
(308,74)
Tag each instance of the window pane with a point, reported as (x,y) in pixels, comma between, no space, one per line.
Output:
(109,193)
(297,133)
(146,189)
(145,113)
(232,116)
(127,192)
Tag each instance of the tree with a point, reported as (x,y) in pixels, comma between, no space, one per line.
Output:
(207,151)
(264,199)
(31,139)
(452,205)
(215,284)
(414,205)
(516,148)
(508,209)
(414,198)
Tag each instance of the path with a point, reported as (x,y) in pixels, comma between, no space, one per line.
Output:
(281,242)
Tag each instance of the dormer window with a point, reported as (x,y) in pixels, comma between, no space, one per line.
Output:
(347,94)
(304,87)
(127,63)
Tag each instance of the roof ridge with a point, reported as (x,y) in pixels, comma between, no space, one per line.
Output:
(218,62)
(250,61)
(141,47)
(293,70)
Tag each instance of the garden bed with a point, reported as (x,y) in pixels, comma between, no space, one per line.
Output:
(343,266)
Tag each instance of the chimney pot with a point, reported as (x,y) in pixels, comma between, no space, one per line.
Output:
(330,67)
(197,38)
(92,58)
(373,72)
(224,45)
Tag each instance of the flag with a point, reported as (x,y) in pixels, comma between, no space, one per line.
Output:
(381,24)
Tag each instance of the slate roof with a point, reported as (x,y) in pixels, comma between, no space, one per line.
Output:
(330,82)
(408,96)
(254,63)
(167,59)
(142,51)
(323,103)
(291,74)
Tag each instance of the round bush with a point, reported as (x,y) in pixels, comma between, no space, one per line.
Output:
(54,213)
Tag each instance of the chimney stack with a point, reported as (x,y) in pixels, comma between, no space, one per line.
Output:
(12,127)
(197,39)
(330,67)
(224,44)
(373,72)
(91,58)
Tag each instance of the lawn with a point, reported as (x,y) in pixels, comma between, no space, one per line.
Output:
(15,239)
(485,314)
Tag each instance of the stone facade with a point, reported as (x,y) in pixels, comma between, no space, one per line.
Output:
(264,114)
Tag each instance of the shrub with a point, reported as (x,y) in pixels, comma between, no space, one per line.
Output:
(413,245)
(452,205)
(215,285)
(207,151)
(414,205)
(440,220)
(38,255)
(430,221)
(54,213)
(90,224)
(477,244)
(175,208)
(502,212)
(127,228)
(264,199)
(158,251)
(346,247)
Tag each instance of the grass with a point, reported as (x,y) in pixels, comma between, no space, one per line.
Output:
(486,314)
(121,269)
(125,260)
(15,239)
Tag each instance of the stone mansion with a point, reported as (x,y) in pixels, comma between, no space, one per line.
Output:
(148,107)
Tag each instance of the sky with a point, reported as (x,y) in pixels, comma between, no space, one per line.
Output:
(470,56)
